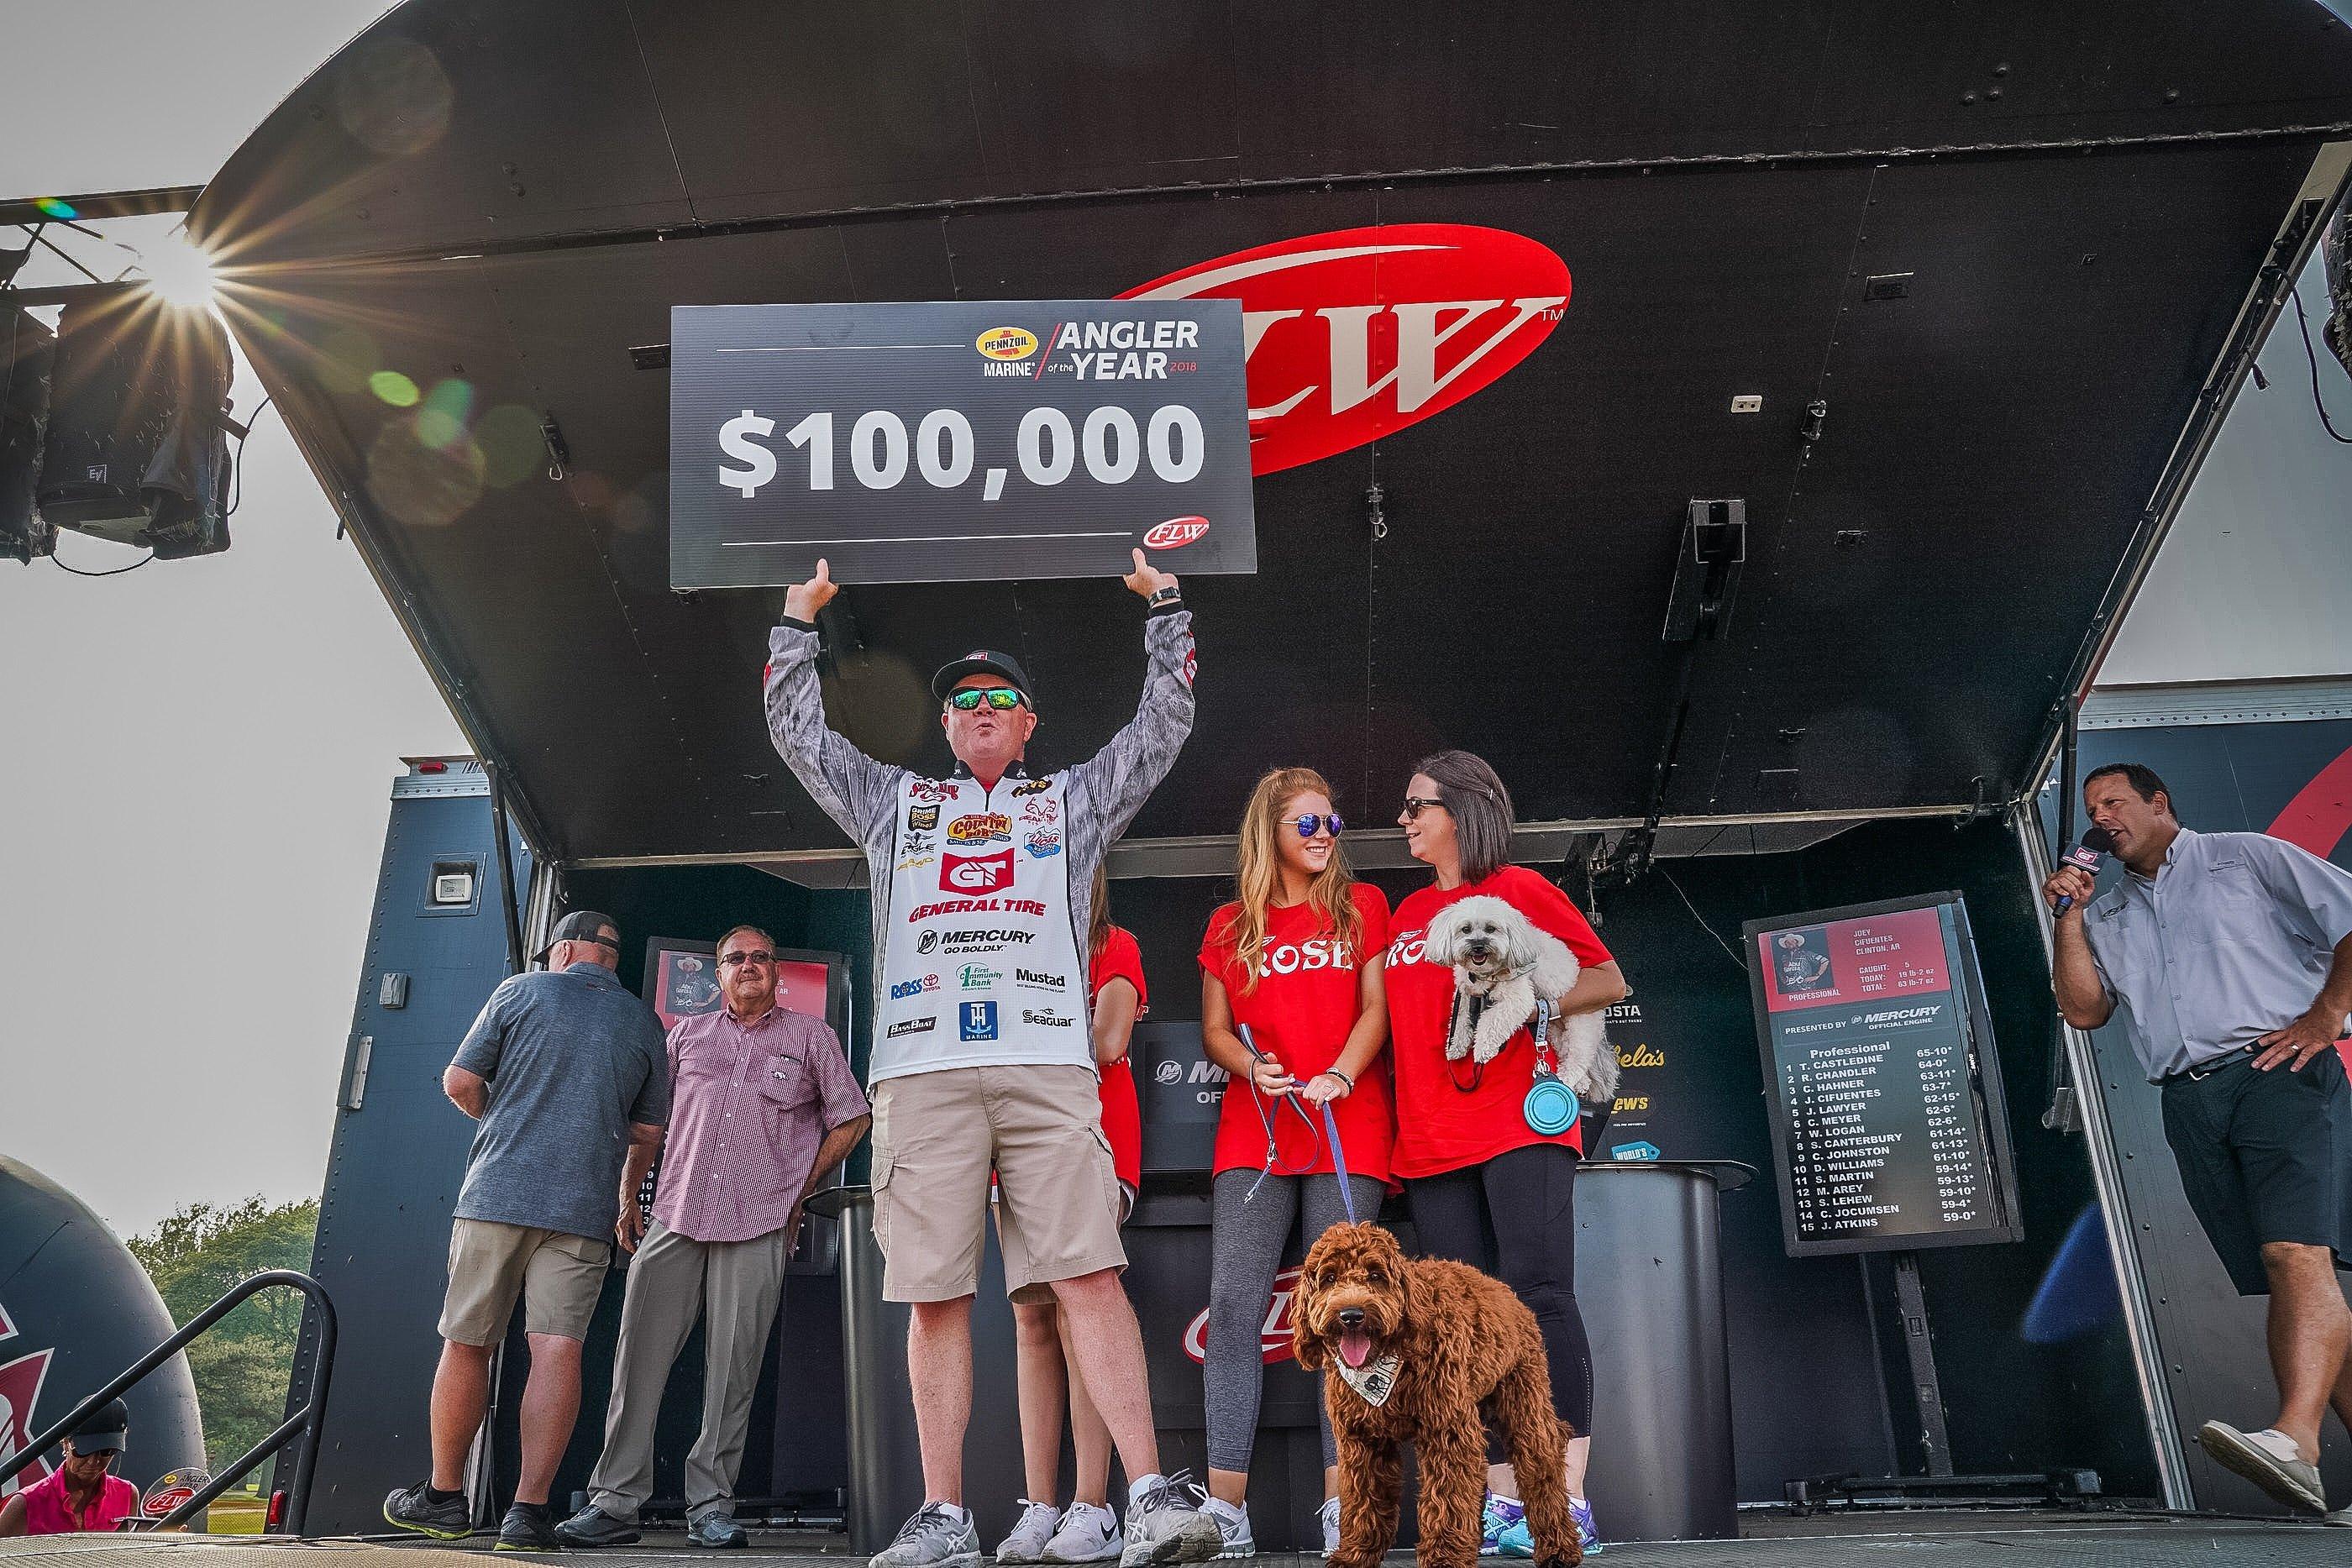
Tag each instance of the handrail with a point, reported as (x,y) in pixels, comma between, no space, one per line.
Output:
(307,1420)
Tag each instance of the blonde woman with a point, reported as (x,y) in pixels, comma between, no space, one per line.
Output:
(1296,960)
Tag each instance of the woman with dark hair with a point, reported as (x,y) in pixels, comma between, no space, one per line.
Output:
(1486,1187)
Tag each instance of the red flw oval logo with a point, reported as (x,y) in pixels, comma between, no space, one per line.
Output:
(1273,1334)
(1357,332)
(1175,533)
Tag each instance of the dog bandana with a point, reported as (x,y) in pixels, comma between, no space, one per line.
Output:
(1374,1383)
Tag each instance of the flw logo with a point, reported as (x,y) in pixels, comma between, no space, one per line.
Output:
(1352,334)
(20,1391)
(1273,1334)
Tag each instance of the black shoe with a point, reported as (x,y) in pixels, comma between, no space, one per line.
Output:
(718,1532)
(592,1526)
(527,1526)
(411,1507)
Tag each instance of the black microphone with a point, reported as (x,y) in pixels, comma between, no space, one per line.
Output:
(2097,845)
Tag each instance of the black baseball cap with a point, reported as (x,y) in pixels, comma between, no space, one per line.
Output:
(981,662)
(580,925)
(102,1431)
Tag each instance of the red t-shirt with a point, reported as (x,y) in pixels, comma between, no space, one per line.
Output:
(1441,1128)
(1123,1118)
(1307,1000)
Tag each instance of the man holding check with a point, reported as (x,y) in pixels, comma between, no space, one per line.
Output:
(983,1056)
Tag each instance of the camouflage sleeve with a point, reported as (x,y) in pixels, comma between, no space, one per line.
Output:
(1119,777)
(858,792)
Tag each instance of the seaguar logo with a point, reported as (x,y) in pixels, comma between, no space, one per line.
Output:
(1357,332)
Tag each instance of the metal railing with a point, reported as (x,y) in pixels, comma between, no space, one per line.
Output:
(307,1420)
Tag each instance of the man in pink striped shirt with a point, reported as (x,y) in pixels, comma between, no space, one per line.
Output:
(762,1107)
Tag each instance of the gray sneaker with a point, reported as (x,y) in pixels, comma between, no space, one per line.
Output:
(718,1533)
(932,1538)
(592,1526)
(2341,1518)
(1030,1533)
(1162,1527)
(2268,1459)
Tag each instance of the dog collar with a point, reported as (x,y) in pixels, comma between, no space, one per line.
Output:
(1373,1383)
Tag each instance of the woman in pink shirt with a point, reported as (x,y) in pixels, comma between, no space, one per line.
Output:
(80,1494)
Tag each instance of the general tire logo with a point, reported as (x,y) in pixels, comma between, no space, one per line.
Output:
(1274,1331)
(1175,533)
(1355,333)
(976,874)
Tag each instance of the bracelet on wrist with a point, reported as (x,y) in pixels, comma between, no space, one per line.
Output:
(1343,1078)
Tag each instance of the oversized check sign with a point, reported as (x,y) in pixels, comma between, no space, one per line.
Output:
(944,442)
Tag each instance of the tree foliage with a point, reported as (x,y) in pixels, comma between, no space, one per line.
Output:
(241,1365)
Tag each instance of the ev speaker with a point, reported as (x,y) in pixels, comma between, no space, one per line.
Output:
(26,351)
(138,448)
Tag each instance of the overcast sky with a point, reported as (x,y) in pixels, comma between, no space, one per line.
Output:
(195,757)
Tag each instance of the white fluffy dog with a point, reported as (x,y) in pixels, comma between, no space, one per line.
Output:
(1501,965)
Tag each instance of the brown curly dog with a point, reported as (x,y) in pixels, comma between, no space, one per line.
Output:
(1418,1350)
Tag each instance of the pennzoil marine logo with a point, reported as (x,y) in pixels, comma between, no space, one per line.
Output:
(1006,343)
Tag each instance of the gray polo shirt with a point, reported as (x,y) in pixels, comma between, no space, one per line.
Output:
(571,1058)
(2230,939)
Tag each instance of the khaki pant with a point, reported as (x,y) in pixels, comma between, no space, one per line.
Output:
(735,1286)
(559,1277)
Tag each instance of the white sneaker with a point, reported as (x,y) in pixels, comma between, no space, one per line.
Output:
(1162,1527)
(2269,1459)
(1086,1534)
(1026,1541)
(1330,1514)
(932,1538)
(1232,1520)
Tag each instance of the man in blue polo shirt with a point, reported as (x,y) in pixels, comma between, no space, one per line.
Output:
(2230,957)
(564,1069)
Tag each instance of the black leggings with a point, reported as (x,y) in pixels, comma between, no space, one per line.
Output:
(1515,1216)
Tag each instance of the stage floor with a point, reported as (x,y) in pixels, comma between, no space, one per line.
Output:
(1948,1539)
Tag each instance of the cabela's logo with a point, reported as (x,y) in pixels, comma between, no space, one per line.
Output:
(1273,1334)
(1006,343)
(1645,1055)
(1351,334)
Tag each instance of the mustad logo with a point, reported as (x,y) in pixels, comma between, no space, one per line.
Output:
(1042,981)
(1351,334)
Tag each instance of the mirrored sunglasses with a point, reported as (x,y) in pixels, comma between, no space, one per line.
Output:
(1308,825)
(1000,698)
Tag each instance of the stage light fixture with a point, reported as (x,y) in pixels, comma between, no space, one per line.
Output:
(180,274)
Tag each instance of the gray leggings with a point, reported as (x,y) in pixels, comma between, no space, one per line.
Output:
(1246,1246)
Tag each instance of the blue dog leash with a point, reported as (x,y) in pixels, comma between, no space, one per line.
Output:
(1328,1134)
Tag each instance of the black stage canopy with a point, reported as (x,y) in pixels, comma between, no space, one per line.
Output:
(1991,269)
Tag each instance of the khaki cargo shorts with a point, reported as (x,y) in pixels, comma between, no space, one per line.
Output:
(937,1136)
(559,1277)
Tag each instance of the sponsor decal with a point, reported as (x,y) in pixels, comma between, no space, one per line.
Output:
(20,1390)
(978,976)
(1044,842)
(1354,333)
(923,818)
(985,941)
(914,987)
(976,874)
(915,862)
(1641,1056)
(1169,1072)
(1046,1017)
(1175,533)
(976,1021)
(931,789)
(980,828)
(1273,1331)
(1191,666)
(1044,812)
(927,941)
(1633,1152)
(1039,979)
(909,1025)
(171,1488)
(915,844)
(1006,343)
(977,907)
(1033,786)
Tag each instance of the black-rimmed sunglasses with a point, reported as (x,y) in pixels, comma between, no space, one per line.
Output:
(1414,805)
(1308,823)
(1004,699)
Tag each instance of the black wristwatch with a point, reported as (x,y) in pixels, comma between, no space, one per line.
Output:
(1160,598)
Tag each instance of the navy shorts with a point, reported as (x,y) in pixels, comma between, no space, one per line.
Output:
(2265,1156)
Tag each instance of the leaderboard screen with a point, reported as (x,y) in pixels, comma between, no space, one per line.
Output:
(1888,1128)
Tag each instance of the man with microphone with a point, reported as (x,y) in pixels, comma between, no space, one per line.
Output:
(2229,956)
(982,1058)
